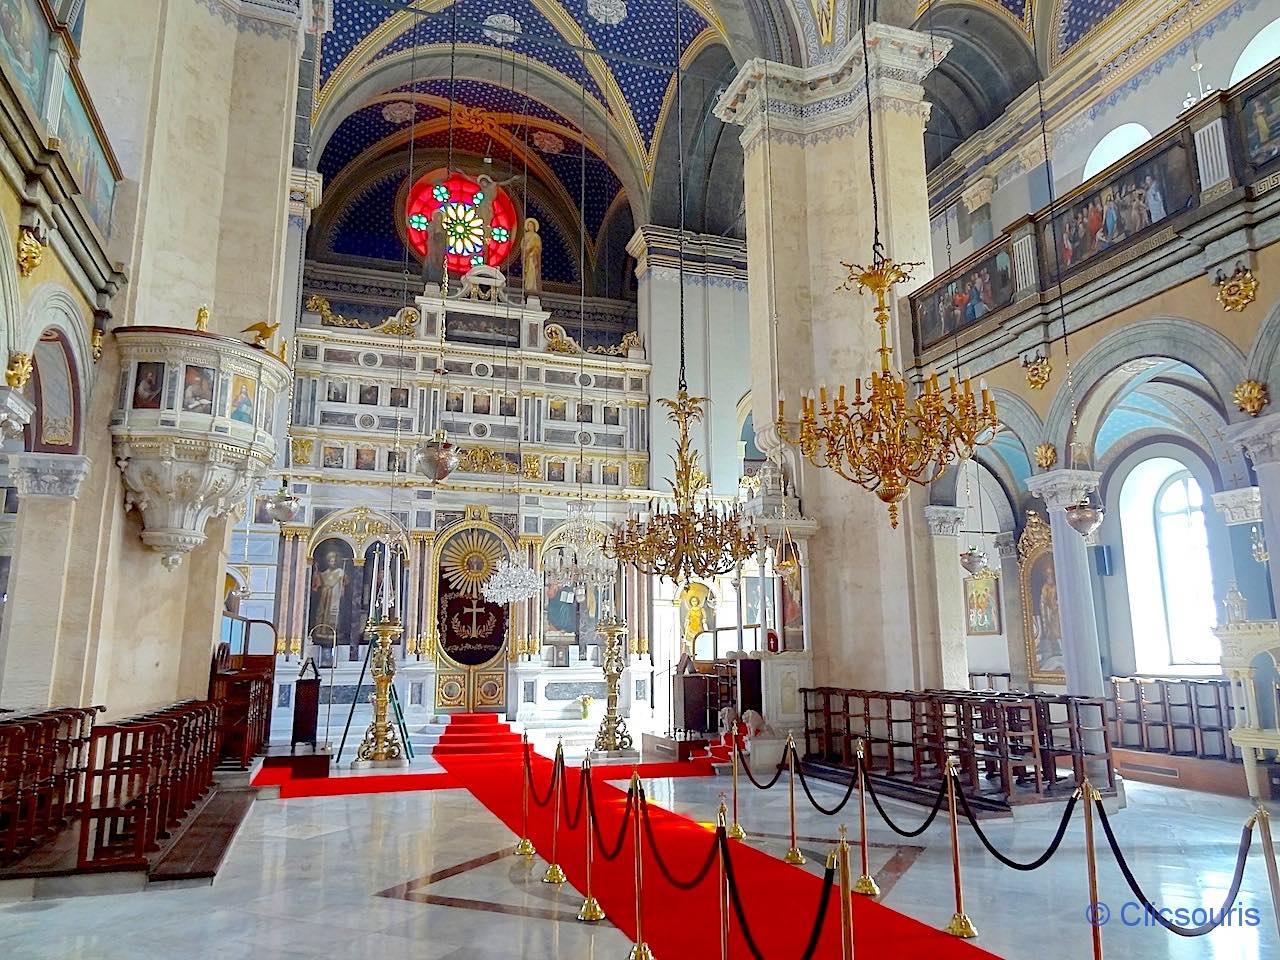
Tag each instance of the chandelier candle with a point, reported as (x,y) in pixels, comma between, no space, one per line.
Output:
(884,441)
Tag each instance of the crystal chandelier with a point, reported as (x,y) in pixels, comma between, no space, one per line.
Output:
(282,506)
(512,581)
(686,540)
(884,441)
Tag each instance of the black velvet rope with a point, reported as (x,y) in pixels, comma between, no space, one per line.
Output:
(830,812)
(572,821)
(928,821)
(819,920)
(1215,920)
(702,872)
(622,830)
(777,774)
(1041,860)
(551,790)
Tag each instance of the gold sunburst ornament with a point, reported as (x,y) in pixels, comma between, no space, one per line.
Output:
(1250,396)
(1237,291)
(1046,456)
(469,559)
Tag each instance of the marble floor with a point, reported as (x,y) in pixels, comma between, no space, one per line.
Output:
(428,875)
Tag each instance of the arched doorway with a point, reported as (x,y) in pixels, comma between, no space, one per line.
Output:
(472,632)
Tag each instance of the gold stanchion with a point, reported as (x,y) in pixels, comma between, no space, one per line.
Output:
(591,911)
(722,821)
(846,898)
(960,925)
(1269,857)
(641,949)
(554,872)
(734,831)
(793,856)
(525,847)
(865,884)
(1090,797)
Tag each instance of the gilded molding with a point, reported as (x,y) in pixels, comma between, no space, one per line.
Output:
(30,252)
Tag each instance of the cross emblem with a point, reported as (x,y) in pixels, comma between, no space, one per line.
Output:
(475,610)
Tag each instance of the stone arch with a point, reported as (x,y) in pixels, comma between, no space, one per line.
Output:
(10,298)
(1019,418)
(1264,352)
(332,528)
(56,335)
(1202,348)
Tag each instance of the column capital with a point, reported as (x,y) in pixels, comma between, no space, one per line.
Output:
(306,190)
(827,100)
(1060,489)
(48,474)
(944,521)
(1259,438)
(1239,506)
(1006,545)
(15,411)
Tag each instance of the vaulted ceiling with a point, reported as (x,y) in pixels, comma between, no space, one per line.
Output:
(579,94)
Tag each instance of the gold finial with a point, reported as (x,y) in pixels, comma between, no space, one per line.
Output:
(95,342)
(202,318)
(30,252)
(19,372)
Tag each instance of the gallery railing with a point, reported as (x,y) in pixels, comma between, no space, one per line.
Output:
(1224,149)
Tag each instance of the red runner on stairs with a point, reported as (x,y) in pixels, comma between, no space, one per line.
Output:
(780,900)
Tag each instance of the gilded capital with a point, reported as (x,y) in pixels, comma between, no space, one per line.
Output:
(1060,489)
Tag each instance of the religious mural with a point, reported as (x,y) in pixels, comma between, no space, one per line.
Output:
(982,605)
(240,404)
(1141,196)
(792,605)
(148,385)
(197,389)
(1042,616)
(569,614)
(1260,117)
(985,288)
(24,40)
(85,156)
(332,615)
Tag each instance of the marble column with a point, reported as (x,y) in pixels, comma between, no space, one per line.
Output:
(1011,610)
(1081,650)
(949,663)
(48,485)
(1260,440)
(808,199)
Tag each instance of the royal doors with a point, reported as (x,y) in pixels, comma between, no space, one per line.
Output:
(471,669)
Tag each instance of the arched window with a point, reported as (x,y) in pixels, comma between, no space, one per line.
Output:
(1170,580)
(1260,51)
(1117,143)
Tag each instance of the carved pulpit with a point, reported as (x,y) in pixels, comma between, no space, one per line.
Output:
(1242,641)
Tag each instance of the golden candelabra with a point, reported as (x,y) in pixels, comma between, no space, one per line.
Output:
(687,540)
(883,440)
(613,734)
(380,741)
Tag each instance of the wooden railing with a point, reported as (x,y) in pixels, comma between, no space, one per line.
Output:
(1228,143)
(1179,716)
(144,776)
(1013,747)
(43,757)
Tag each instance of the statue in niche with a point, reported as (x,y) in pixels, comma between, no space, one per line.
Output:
(531,257)
(437,249)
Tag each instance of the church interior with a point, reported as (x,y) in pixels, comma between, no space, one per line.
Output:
(639,478)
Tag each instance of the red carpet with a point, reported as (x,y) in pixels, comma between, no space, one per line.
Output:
(348,785)
(780,900)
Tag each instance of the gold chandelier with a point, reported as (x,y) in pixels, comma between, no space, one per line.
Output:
(885,441)
(688,540)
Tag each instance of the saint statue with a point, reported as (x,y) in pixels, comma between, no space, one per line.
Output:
(437,249)
(486,199)
(531,257)
(328,586)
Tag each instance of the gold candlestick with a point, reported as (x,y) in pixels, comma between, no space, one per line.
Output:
(380,742)
(793,855)
(613,735)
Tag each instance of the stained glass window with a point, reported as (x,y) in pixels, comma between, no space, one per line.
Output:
(470,241)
